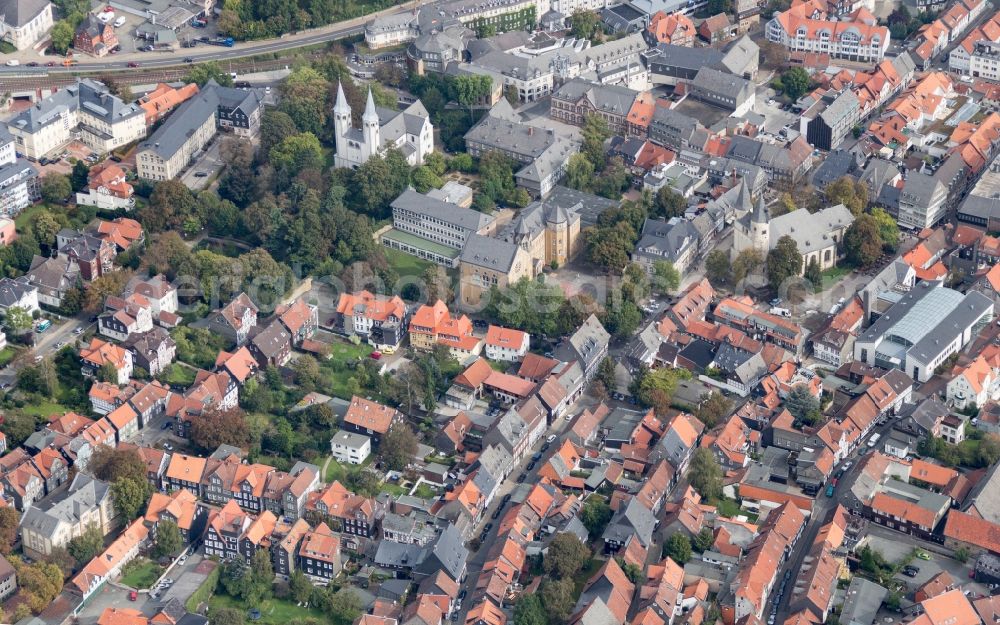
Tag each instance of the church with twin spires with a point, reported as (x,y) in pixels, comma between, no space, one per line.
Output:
(409,131)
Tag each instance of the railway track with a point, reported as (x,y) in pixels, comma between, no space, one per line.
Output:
(40,78)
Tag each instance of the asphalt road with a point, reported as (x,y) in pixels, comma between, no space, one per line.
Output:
(46,345)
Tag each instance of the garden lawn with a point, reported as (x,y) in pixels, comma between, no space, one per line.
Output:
(178,374)
(142,575)
(833,275)
(345,352)
(406,264)
(272,611)
(339,471)
(7,354)
(23,219)
(425,492)
(44,409)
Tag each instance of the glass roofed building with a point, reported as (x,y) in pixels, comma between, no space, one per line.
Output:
(919,332)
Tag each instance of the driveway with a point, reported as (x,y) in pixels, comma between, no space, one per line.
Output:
(208,163)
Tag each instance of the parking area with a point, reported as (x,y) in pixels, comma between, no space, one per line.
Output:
(775,117)
(204,169)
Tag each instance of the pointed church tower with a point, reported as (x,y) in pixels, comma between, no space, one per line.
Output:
(370,129)
(341,120)
(760,233)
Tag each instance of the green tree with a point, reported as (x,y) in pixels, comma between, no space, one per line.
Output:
(595,515)
(529,610)
(566,555)
(304,97)
(84,547)
(9,526)
(108,373)
(888,229)
(606,373)
(398,446)
(718,268)
(17,320)
(55,188)
(705,474)
(201,72)
(802,403)
(745,263)
(80,175)
(61,36)
(295,154)
(299,586)
(666,278)
(863,241)
(168,539)
(795,82)
(345,606)
(847,191)
(130,496)
(713,409)
(424,179)
(656,387)
(595,132)
(669,203)
(226,616)
(783,262)
(703,540)
(585,24)
(813,274)
(579,173)
(558,597)
(678,548)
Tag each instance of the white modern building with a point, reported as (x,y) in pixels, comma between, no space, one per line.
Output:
(20,184)
(349,447)
(806,28)
(926,326)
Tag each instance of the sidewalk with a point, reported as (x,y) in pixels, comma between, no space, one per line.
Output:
(248,48)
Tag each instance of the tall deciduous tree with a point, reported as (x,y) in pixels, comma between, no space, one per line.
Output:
(398,446)
(705,474)
(566,556)
(168,538)
(863,241)
(217,427)
(130,496)
(783,262)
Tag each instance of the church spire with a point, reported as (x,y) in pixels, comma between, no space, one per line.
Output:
(370,107)
(341,106)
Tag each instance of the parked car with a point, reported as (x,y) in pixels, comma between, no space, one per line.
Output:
(923,555)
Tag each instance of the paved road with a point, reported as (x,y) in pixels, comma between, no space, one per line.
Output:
(199,54)
(46,345)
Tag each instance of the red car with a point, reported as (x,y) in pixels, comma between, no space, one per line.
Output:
(375,355)
(132,596)
(133,64)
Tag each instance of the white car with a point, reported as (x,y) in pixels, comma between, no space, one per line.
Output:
(120,22)
(551,438)
(13,63)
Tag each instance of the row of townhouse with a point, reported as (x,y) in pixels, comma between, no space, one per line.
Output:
(225,477)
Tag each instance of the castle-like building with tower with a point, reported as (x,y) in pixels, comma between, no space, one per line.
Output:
(409,131)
